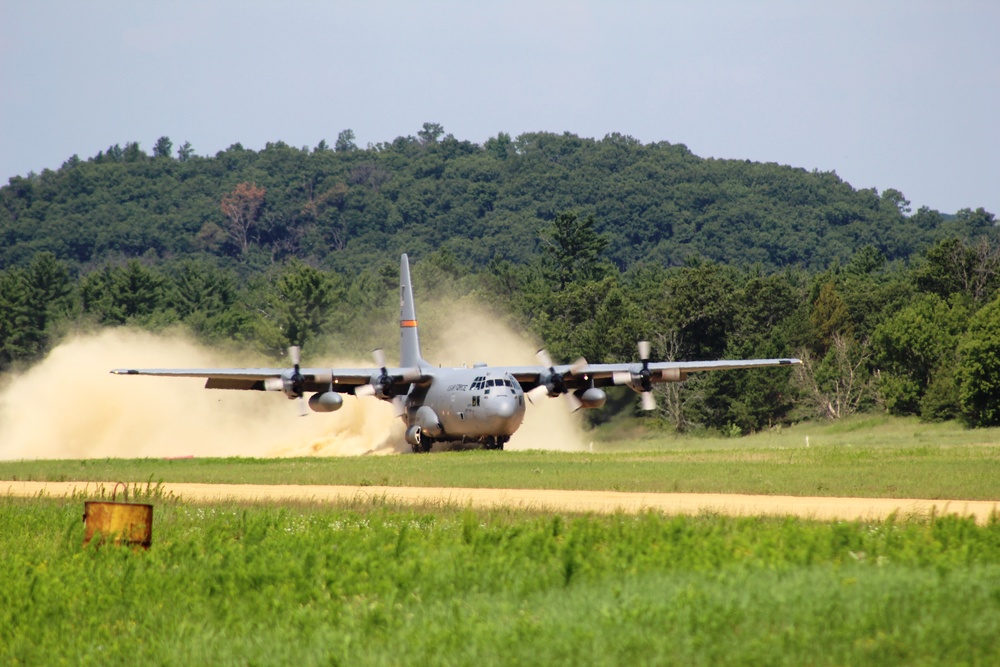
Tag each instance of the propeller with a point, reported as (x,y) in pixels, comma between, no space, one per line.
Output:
(553,383)
(642,381)
(293,383)
(381,387)
(297,380)
(645,377)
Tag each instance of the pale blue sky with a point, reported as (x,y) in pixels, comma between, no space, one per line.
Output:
(902,94)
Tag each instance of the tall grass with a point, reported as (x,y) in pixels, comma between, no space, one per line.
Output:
(377,584)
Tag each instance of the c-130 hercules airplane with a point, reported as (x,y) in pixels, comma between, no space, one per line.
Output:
(482,404)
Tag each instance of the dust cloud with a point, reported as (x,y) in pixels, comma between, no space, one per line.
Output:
(70,406)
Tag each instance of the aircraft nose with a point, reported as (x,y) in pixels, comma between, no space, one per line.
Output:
(502,406)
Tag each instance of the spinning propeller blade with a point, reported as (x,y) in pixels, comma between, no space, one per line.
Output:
(555,383)
(648,402)
(295,355)
(384,382)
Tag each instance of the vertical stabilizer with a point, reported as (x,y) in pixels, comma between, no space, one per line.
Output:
(409,339)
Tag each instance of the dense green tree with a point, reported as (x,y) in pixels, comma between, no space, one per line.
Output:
(830,317)
(32,302)
(430,133)
(500,146)
(123,294)
(197,286)
(978,373)
(655,202)
(699,302)
(22,324)
(163,147)
(345,142)
(303,304)
(916,346)
(954,266)
(573,249)
(133,152)
(185,152)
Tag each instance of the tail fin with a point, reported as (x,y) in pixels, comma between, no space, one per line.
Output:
(409,339)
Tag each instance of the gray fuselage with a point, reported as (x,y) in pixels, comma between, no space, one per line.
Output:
(466,404)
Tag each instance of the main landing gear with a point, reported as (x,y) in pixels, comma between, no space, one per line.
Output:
(496,442)
(420,443)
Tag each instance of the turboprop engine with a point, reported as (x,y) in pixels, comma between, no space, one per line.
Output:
(292,383)
(642,381)
(553,383)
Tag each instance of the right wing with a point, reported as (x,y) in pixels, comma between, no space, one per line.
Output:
(342,380)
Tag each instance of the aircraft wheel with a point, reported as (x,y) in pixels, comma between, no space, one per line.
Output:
(495,442)
(414,438)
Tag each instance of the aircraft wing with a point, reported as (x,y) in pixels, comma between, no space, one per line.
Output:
(343,380)
(604,375)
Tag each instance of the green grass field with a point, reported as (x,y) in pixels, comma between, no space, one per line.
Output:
(382,585)
(866,457)
(372,583)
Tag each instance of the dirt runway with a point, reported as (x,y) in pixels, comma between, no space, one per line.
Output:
(601,502)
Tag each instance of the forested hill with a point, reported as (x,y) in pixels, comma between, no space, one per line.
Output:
(346,207)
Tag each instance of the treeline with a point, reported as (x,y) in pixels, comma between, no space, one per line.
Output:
(345,207)
(921,338)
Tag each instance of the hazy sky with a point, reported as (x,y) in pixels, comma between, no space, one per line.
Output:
(901,94)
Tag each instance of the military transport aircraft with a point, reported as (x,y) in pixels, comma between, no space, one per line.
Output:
(482,404)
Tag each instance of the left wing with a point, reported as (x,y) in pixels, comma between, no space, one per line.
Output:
(606,375)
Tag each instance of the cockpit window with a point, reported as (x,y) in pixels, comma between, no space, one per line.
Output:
(482,382)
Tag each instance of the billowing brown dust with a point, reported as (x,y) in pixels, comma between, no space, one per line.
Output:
(70,406)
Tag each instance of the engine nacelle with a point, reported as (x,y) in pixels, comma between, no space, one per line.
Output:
(553,382)
(673,375)
(328,401)
(591,398)
(428,421)
(284,383)
(634,381)
(380,383)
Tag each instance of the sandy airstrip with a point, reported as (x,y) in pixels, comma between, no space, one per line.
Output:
(599,502)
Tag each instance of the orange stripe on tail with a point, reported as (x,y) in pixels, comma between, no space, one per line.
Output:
(405,324)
